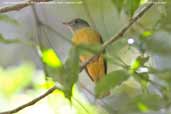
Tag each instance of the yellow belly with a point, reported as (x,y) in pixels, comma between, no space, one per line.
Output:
(96,69)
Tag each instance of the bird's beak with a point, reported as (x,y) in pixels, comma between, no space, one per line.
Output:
(65,23)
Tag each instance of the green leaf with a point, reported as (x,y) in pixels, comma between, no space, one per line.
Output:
(72,69)
(131,6)
(66,75)
(144,103)
(50,58)
(111,80)
(159,43)
(8,41)
(138,62)
(8,19)
(163,74)
(147,102)
(119,4)
(143,79)
(88,49)
(52,65)
(131,87)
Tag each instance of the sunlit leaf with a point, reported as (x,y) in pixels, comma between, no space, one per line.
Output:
(143,1)
(66,75)
(135,65)
(50,58)
(110,81)
(138,62)
(142,107)
(52,66)
(8,19)
(146,34)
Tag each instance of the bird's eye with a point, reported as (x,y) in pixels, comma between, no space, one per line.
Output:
(76,21)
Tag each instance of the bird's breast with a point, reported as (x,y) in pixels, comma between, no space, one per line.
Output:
(86,36)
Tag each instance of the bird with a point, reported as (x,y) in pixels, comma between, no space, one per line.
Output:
(83,33)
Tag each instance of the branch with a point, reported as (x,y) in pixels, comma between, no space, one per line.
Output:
(110,41)
(32,102)
(119,35)
(15,7)
(19,5)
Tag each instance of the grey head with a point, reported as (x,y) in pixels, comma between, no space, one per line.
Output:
(76,24)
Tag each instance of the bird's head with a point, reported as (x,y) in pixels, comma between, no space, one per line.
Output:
(76,24)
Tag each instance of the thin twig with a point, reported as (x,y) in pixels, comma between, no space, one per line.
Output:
(119,35)
(15,7)
(32,102)
(20,5)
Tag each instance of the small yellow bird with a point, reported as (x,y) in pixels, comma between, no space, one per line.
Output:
(84,34)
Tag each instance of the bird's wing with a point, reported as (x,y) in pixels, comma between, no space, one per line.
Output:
(98,67)
(104,52)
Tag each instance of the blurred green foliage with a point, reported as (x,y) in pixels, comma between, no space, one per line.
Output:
(14,80)
(8,19)
(111,80)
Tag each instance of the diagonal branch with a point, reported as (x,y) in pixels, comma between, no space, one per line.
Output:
(107,43)
(119,35)
(32,102)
